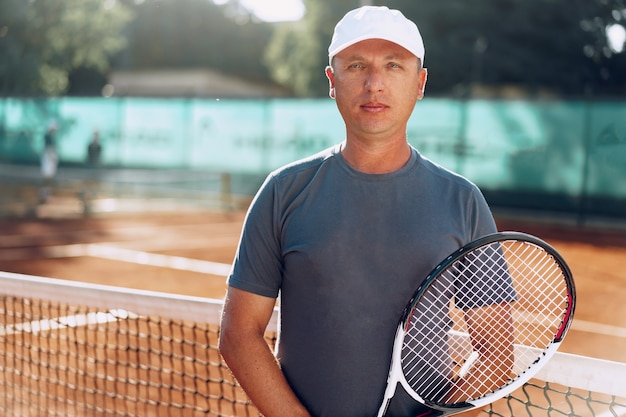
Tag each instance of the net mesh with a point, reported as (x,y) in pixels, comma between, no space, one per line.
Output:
(542,398)
(69,349)
(59,359)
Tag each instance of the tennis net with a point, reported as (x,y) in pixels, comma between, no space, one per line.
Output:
(76,349)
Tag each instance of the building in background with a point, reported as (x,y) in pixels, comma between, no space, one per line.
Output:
(187,83)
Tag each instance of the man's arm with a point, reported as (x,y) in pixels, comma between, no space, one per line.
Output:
(494,344)
(250,359)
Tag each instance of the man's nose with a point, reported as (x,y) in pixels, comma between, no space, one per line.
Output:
(374,80)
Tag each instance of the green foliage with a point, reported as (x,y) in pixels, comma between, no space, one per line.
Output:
(298,52)
(42,41)
(196,34)
(550,45)
(538,45)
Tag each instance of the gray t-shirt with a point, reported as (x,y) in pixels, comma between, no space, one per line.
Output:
(345,251)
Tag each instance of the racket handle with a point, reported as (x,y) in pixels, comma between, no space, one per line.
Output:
(469,363)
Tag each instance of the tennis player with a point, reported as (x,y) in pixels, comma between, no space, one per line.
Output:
(344,237)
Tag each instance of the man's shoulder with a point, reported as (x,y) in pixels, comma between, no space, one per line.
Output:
(308,164)
(440,173)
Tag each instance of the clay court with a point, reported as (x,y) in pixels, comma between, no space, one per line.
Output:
(188,252)
(60,248)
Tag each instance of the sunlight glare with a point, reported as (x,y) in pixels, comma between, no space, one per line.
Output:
(273,10)
(616,35)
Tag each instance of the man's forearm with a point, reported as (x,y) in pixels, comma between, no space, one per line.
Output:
(254,366)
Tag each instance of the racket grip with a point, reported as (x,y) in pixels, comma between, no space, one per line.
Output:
(469,363)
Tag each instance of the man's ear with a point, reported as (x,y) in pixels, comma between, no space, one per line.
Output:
(423,76)
(331,81)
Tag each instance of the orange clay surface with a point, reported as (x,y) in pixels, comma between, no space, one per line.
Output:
(42,247)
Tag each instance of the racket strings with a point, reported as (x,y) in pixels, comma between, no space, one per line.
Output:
(438,358)
(539,313)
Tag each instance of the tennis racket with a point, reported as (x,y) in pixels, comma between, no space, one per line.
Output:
(483,323)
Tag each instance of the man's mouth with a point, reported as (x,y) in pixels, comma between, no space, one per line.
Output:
(373,106)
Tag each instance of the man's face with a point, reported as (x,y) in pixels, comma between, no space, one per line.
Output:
(376,84)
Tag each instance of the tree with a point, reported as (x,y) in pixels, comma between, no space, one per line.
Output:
(298,54)
(196,34)
(42,41)
(533,44)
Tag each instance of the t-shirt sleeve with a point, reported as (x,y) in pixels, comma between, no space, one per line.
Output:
(258,262)
(480,288)
(484,278)
(480,216)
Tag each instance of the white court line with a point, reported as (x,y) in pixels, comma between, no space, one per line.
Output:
(124,255)
(155,259)
(621,412)
(598,328)
(64,322)
(578,325)
(221,269)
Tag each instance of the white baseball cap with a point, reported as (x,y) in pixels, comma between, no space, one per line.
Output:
(376,22)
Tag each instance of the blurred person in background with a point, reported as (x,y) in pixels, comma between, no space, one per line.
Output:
(94,150)
(344,237)
(49,161)
(90,188)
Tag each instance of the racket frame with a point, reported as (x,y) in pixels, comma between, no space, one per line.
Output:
(397,376)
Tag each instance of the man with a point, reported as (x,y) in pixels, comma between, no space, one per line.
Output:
(94,150)
(344,238)
(49,162)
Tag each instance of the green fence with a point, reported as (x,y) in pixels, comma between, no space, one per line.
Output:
(551,155)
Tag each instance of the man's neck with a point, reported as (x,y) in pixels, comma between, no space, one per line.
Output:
(378,158)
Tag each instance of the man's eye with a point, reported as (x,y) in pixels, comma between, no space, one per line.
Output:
(356,65)
(394,65)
